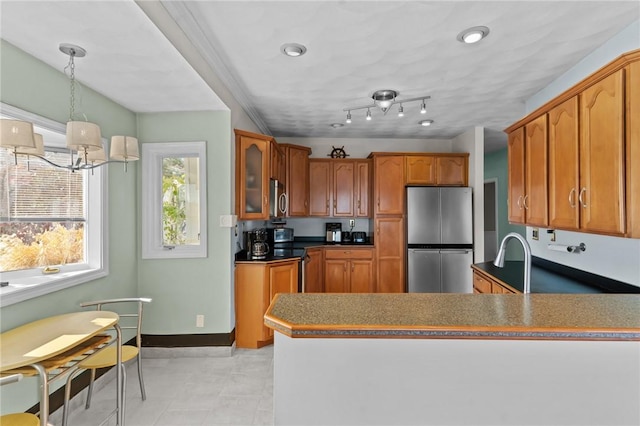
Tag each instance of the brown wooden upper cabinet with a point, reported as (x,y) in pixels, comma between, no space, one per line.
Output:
(319,187)
(388,184)
(437,169)
(602,156)
(297,177)
(564,176)
(515,155)
(252,175)
(277,169)
(362,193)
(339,187)
(527,154)
(592,135)
(535,198)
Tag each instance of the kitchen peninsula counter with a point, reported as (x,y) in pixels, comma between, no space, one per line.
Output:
(433,315)
(463,359)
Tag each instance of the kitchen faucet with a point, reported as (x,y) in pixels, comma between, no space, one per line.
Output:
(499,262)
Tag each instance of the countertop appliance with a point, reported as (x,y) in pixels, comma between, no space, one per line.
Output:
(333,232)
(439,240)
(359,237)
(255,243)
(280,235)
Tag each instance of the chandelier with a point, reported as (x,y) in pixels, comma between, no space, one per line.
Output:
(385,99)
(83,137)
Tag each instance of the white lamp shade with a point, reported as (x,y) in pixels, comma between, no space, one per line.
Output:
(124,148)
(16,133)
(384,104)
(38,149)
(96,157)
(82,135)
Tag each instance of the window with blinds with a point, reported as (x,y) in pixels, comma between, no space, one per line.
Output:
(42,212)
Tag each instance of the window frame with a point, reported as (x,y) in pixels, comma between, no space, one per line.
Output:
(151,219)
(30,283)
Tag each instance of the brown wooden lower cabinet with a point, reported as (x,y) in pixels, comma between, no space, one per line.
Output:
(313,271)
(349,270)
(484,284)
(256,285)
(390,253)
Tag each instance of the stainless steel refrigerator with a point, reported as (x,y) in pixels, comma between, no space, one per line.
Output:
(439,240)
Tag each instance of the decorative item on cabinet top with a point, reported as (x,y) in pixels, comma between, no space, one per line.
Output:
(338,152)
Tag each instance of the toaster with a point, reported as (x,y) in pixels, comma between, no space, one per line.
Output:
(359,237)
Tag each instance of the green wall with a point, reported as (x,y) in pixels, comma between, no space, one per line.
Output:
(184,288)
(495,166)
(32,85)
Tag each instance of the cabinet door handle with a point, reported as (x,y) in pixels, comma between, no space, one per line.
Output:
(582,191)
(265,201)
(572,195)
(352,267)
(327,204)
(519,202)
(524,202)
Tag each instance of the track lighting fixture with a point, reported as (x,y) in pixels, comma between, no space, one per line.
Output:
(384,99)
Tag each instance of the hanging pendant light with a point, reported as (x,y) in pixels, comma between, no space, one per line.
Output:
(16,135)
(82,136)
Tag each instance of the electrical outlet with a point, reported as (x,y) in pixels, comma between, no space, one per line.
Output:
(200,321)
(535,234)
(352,223)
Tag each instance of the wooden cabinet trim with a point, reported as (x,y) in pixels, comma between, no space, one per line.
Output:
(610,68)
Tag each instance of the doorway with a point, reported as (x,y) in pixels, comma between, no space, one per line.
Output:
(490,219)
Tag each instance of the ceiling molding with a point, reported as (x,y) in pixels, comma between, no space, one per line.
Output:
(201,40)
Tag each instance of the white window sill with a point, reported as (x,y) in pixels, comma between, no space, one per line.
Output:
(21,289)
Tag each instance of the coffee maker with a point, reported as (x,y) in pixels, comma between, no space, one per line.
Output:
(255,243)
(333,232)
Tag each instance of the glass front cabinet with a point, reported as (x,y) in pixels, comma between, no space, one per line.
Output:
(252,175)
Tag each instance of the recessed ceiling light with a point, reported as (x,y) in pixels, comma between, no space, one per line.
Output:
(473,34)
(425,122)
(293,49)
(336,125)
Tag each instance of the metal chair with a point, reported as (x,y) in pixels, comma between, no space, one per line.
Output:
(107,356)
(17,419)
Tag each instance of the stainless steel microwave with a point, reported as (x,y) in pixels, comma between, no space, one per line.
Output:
(278,201)
(280,235)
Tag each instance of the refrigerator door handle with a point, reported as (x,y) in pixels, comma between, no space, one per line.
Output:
(455,251)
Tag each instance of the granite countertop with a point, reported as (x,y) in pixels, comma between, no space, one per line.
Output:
(454,316)
(550,277)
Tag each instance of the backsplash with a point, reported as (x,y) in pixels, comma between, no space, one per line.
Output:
(613,257)
(307,227)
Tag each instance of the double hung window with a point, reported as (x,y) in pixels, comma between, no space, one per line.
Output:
(51,220)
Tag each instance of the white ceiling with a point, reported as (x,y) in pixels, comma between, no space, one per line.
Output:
(354,48)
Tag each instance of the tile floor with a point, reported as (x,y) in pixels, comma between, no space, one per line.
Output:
(224,390)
